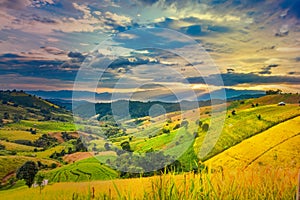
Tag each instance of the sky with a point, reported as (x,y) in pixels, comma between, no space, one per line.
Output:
(150,48)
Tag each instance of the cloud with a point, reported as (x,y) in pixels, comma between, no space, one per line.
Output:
(79,57)
(39,68)
(12,81)
(230,70)
(53,50)
(148,2)
(14,4)
(194,30)
(70,17)
(44,20)
(267,70)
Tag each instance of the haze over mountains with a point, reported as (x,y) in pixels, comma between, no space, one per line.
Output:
(107,97)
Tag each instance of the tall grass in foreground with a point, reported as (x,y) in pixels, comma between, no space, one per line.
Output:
(262,183)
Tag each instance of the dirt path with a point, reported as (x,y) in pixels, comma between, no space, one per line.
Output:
(269,149)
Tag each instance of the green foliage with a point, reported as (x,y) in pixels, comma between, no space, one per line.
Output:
(166,130)
(45,141)
(184,123)
(6,115)
(259,117)
(53,165)
(27,172)
(198,122)
(2,147)
(177,126)
(79,146)
(271,92)
(205,127)
(126,146)
(152,162)
(233,112)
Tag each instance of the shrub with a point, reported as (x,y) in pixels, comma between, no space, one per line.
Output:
(205,127)
(27,172)
(53,165)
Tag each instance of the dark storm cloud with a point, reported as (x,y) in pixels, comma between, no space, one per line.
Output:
(293,73)
(70,65)
(9,56)
(53,50)
(76,56)
(123,62)
(148,2)
(151,38)
(44,20)
(267,70)
(194,30)
(232,79)
(165,23)
(50,69)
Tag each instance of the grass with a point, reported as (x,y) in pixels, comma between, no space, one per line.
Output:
(11,110)
(277,146)
(246,124)
(10,146)
(43,126)
(14,134)
(47,153)
(263,183)
(12,163)
(83,170)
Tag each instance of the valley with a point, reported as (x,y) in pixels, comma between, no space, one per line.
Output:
(257,135)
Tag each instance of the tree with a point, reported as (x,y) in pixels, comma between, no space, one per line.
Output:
(126,146)
(184,123)
(2,147)
(6,115)
(259,117)
(270,92)
(198,122)
(233,112)
(27,172)
(205,127)
(80,147)
(177,126)
(166,130)
(40,181)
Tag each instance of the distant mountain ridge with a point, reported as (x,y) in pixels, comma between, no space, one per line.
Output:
(106,96)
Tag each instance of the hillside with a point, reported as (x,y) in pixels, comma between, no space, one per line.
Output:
(68,155)
(275,147)
(85,170)
(18,105)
